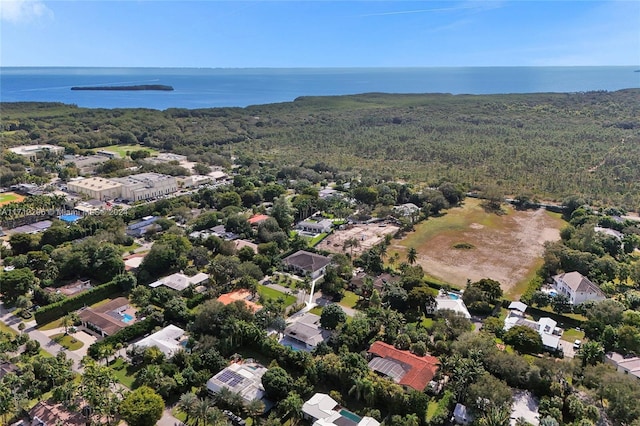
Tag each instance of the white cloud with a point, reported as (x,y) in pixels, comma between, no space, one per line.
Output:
(23,11)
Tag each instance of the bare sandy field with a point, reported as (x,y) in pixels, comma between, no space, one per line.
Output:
(506,248)
(367,235)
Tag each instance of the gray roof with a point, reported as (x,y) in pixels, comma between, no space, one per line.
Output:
(578,282)
(307,261)
(388,367)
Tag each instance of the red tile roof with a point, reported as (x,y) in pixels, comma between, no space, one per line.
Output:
(421,369)
(258,218)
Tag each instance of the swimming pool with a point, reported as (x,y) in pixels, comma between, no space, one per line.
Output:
(351,416)
(453,296)
(126,318)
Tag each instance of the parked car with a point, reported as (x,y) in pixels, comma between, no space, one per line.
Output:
(577,344)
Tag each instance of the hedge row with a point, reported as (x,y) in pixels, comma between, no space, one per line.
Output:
(52,312)
(123,336)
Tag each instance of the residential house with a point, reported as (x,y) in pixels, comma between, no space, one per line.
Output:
(242,378)
(305,333)
(306,263)
(169,340)
(109,318)
(448,301)
(240,294)
(407,209)
(403,367)
(239,244)
(257,219)
(610,232)
(546,327)
(139,229)
(180,281)
(315,226)
(577,288)
(379,282)
(49,413)
(626,365)
(461,415)
(322,410)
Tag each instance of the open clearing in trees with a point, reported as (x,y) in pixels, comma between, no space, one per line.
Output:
(507,248)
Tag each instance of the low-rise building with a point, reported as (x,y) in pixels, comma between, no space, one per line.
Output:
(139,229)
(239,294)
(447,301)
(49,413)
(626,365)
(461,415)
(306,263)
(257,219)
(33,152)
(109,318)
(315,227)
(144,186)
(169,340)
(403,367)
(244,379)
(86,165)
(180,281)
(305,333)
(577,288)
(546,327)
(322,410)
(96,188)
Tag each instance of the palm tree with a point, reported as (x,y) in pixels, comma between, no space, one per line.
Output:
(187,404)
(215,417)
(591,353)
(66,323)
(291,406)
(201,411)
(495,416)
(412,256)
(254,409)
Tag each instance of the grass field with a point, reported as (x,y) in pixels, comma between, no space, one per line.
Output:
(350,299)
(507,247)
(269,293)
(67,341)
(10,197)
(125,373)
(121,150)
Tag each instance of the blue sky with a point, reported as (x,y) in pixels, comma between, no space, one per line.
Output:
(158,33)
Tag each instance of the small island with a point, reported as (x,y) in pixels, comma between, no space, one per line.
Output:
(137,87)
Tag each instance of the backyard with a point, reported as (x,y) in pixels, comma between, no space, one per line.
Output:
(122,150)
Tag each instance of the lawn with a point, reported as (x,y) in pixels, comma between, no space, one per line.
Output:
(10,197)
(317,310)
(269,293)
(316,240)
(124,372)
(350,299)
(571,334)
(431,409)
(6,329)
(51,325)
(121,150)
(67,341)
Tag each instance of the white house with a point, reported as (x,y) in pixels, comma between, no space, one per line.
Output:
(317,227)
(168,340)
(546,327)
(577,288)
(180,281)
(305,333)
(322,410)
(625,365)
(244,379)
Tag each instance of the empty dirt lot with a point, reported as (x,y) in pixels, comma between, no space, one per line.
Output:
(367,235)
(506,248)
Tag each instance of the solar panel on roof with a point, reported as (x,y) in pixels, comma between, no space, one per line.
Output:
(230,378)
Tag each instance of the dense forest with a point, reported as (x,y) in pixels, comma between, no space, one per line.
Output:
(544,146)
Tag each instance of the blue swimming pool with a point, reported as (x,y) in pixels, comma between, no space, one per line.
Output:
(453,296)
(126,318)
(351,416)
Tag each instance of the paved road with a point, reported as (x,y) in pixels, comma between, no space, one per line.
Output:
(45,342)
(53,348)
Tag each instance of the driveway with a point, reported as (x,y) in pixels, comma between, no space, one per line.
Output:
(86,339)
(567,347)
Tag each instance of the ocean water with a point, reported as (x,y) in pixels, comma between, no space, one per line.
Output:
(208,87)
